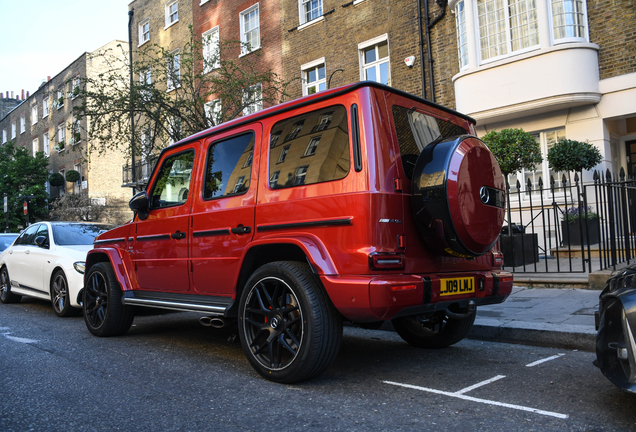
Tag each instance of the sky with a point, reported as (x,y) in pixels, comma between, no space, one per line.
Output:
(39,38)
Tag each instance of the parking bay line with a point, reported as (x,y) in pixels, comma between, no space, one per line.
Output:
(485,401)
(538,362)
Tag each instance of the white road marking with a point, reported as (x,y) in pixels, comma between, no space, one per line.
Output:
(538,362)
(17,339)
(485,401)
(483,383)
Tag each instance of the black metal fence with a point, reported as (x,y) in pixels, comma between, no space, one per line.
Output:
(570,227)
(143,170)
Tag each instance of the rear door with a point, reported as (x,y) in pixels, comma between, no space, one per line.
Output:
(223,213)
(160,245)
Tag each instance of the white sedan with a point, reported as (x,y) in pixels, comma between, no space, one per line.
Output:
(47,262)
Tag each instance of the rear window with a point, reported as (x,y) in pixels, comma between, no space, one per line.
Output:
(310,148)
(416,130)
(77,234)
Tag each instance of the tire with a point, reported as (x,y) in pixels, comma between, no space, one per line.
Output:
(436,331)
(104,313)
(289,329)
(6,296)
(60,297)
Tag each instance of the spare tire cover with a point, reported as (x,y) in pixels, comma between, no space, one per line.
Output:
(458,197)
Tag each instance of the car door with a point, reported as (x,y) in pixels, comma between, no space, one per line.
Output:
(17,257)
(223,214)
(160,244)
(35,261)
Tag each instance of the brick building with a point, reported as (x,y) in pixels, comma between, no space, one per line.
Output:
(44,122)
(8,103)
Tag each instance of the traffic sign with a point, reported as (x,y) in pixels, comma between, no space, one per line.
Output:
(26,207)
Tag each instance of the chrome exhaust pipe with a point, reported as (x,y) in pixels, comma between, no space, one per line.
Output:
(212,321)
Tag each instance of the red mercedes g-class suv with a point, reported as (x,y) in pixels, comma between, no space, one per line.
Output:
(361,203)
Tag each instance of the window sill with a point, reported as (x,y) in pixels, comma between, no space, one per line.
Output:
(171,24)
(312,22)
(143,43)
(356,2)
(249,52)
(203,2)
(172,89)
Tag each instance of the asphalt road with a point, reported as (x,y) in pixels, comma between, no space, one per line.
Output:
(170,373)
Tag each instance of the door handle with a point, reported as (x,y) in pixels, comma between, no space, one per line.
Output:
(28,252)
(241,230)
(178,235)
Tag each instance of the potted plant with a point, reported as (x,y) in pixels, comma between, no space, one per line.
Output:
(570,155)
(56,180)
(72,176)
(515,150)
(575,224)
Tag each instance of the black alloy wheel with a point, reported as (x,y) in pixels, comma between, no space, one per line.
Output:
(104,313)
(433,331)
(289,329)
(6,296)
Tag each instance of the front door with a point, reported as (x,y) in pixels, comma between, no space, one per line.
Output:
(160,244)
(631,157)
(223,215)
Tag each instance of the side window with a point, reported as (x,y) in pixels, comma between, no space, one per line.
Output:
(173,181)
(43,231)
(316,149)
(416,130)
(229,166)
(28,236)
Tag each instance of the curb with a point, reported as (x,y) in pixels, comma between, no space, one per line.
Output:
(564,336)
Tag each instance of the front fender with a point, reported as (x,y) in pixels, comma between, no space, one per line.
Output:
(113,256)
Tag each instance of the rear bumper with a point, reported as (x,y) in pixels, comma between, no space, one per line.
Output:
(369,298)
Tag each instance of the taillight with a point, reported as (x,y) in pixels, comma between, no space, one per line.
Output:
(386,261)
(497,259)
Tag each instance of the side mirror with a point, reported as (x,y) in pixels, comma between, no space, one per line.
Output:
(139,204)
(41,241)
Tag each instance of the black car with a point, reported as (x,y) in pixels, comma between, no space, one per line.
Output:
(616,326)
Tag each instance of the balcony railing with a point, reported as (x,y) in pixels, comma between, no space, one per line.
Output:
(143,171)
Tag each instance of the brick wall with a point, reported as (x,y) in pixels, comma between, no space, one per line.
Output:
(613,27)
(171,38)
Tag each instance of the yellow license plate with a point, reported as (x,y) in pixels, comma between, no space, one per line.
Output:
(456,286)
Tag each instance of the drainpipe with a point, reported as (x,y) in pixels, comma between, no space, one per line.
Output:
(419,26)
(429,25)
(131,13)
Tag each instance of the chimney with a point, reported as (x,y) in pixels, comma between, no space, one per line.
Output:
(22,94)
(12,95)
(28,94)
(48,78)
(1,95)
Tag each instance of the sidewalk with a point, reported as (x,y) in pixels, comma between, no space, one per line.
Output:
(554,317)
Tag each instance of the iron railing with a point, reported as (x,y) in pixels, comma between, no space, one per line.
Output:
(571,227)
(143,170)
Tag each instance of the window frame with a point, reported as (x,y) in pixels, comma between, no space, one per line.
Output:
(310,150)
(306,68)
(301,174)
(586,29)
(156,179)
(35,146)
(255,106)
(168,14)
(244,48)
(4,135)
(14,129)
(60,96)
(302,12)
(61,136)
(173,59)
(379,61)
(45,107)
(254,135)
(141,36)
(213,35)
(22,123)
(34,114)
(46,144)
(214,108)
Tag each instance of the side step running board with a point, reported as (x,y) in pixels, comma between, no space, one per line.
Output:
(215,306)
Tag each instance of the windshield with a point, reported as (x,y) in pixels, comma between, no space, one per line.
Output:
(6,241)
(77,234)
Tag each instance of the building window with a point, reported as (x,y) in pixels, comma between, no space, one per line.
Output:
(273,180)
(22,123)
(462,38)
(75,87)
(250,30)
(46,143)
(60,99)
(314,77)
(248,161)
(324,122)
(4,136)
(283,154)
(506,26)
(299,178)
(374,60)
(13,129)
(34,114)
(213,112)
(174,130)
(211,50)
(310,10)
(295,130)
(172,13)
(77,137)
(45,107)
(77,186)
(239,183)
(568,19)
(311,147)
(62,189)
(35,146)
(173,71)
(144,31)
(273,139)
(253,99)
(61,137)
